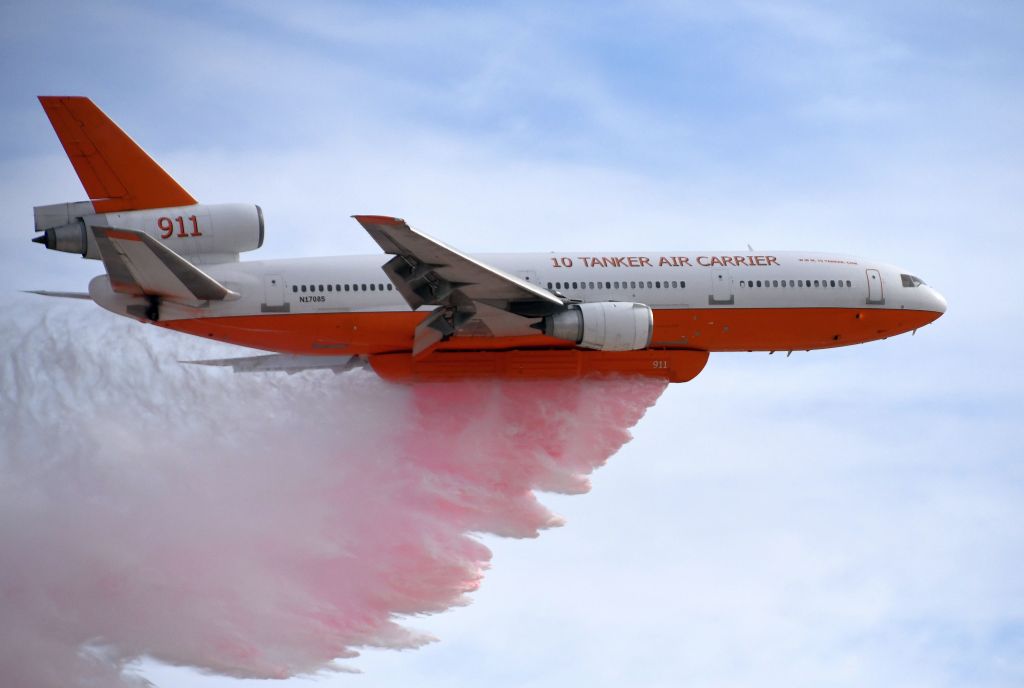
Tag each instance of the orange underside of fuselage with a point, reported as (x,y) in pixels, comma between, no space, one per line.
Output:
(678,350)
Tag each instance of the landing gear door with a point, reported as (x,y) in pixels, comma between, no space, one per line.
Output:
(273,295)
(875,293)
(721,289)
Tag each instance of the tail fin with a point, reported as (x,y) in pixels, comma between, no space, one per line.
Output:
(116,173)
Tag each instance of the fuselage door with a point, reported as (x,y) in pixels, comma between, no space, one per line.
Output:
(875,293)
(721,288)
(273,295)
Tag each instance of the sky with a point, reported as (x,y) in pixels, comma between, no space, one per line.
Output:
(845,517)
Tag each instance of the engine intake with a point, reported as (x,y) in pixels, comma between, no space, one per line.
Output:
(605,326)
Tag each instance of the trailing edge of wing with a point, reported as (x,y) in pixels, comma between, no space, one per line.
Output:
(285,363)
(139,265)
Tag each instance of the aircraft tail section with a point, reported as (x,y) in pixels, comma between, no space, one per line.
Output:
(116,173)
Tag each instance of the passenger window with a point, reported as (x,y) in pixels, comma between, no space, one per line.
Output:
(330,287)
(616,285)
(799,283)
(363,287)
(833,283)
(815,282)
(632,285)
(303,288)
(848,283)
(674,284)
(295,287)
(574,285)
(390,287)
(649,285)
(598,285)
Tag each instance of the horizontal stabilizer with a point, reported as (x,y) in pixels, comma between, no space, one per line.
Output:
(60,294)
(139,265)
(116,173)
(285,363)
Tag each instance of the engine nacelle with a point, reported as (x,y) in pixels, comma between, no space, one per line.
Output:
(607,326)
(200,233)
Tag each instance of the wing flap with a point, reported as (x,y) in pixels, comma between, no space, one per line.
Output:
(139,265)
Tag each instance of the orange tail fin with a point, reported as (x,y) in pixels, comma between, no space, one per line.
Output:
(116,173)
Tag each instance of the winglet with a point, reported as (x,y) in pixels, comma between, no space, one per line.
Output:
(116,173)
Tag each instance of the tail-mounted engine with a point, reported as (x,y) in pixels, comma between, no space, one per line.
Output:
(200,233)
(607,326)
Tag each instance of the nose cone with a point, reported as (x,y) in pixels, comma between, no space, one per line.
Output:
(936,302)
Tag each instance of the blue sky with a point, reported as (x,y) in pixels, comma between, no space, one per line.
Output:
(848,517)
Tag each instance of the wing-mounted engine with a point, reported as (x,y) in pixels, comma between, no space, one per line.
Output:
(201,233)
(606,326)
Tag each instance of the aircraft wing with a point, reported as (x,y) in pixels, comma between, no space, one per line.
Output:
(284,363)
(470,293)
(61,294)
(139,265)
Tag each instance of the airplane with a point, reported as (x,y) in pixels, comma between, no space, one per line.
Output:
(423,311)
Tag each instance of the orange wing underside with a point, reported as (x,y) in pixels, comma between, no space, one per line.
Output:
(116,173)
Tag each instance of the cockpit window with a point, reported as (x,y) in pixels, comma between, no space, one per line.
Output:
(911,281)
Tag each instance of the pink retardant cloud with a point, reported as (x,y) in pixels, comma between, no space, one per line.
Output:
(256,525)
